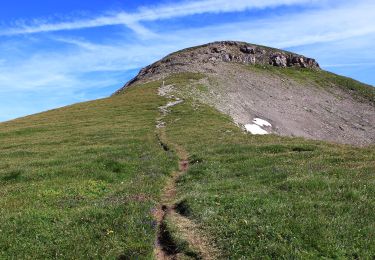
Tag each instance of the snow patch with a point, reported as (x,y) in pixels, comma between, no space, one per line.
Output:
(256,127)
(261,122)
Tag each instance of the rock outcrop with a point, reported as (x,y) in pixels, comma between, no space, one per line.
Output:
(225,51)
(253,54)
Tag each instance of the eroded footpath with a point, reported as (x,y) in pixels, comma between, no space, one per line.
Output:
(178,237)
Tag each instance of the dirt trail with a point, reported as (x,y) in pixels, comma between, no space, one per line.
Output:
(165,247)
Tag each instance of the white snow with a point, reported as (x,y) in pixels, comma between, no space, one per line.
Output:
(256,127)
(261,122)
(173,103)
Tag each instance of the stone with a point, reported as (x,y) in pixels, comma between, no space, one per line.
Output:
(247,50)
(279,60)
(227,57)
(311,63)
(303,62)
(239,59)
(250,59)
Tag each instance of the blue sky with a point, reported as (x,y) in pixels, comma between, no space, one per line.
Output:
(55,53)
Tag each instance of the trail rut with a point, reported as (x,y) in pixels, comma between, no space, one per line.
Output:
(165,247)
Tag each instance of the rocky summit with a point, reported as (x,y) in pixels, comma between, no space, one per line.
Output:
(228,51)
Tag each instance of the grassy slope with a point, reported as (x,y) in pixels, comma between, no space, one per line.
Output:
(80,182)
(269,196)
(321,78)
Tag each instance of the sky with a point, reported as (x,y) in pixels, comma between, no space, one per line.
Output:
(56,53)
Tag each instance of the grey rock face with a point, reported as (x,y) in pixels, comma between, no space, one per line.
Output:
(251,54)
(225,51)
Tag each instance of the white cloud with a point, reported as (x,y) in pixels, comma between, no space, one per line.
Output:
(210,6)
(159,12)
(285,31)
(42,26)
(66,70)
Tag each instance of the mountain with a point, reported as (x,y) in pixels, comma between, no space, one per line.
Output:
(223,151)
(290,91)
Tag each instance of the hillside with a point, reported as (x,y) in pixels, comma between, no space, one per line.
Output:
(165,169)
(288,90)
(80,182)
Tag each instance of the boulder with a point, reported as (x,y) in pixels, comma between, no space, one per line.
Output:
(303,62)
(247,49)
(279,60)
(227,57)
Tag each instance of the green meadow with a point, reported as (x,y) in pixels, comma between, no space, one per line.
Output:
(82,182)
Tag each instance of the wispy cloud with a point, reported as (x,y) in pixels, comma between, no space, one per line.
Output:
(158,12)
(41,26)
